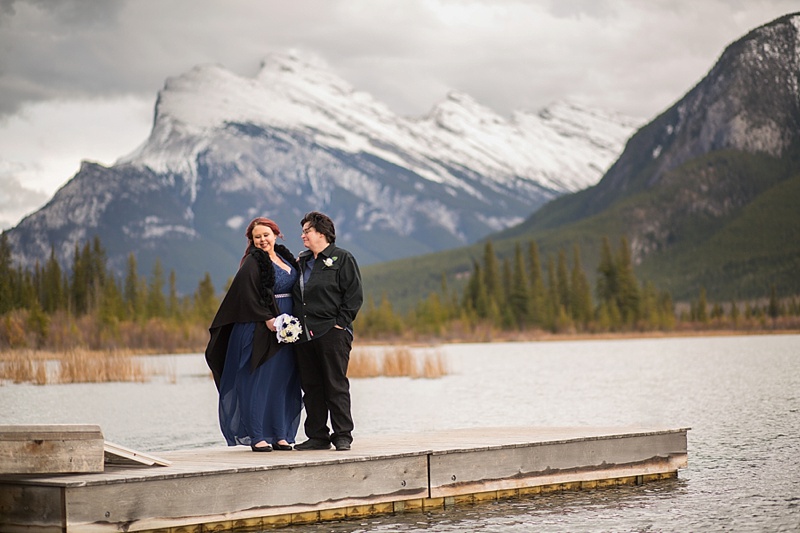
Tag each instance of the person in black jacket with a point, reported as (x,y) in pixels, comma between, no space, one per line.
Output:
(257,378)
(327,297)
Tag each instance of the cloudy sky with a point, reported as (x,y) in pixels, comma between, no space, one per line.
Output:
(79,78)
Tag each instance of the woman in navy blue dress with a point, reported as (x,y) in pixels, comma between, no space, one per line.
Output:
(256,376)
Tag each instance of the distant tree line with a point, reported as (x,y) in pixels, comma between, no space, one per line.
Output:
(518,295)
(88,306)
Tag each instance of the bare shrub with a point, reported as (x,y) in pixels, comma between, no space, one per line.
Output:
(12,330)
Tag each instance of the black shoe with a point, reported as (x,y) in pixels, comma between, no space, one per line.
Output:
(313,444)
(282,447)
(342,445)
(266,448)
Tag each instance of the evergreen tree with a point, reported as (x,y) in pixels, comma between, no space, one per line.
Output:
(734,314)
(507,318)
(794,307)
(374,321)
(393,324)
(607,284)
(537,310)
(562,282)
(131,293)
(7,301)
(581,292)
(551,306)
(449,299)
(97,263)
(173,303)
(649,307)
(111,309)
(26,290)
(608,287)
(430,316)
(79,287)
(143,292)
(774,307)
(470,293)
(603,318)
(52,296)
(475,295)
(37,282)
(37,324)
(701,309)
(666,310)
(519,292)
(628,298)
(491,276)
(156,302)
(205,300)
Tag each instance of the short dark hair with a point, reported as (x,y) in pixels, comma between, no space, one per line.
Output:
(322,223)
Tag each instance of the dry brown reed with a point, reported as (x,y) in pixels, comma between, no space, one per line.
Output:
(396,362)
(24,368)
(99,367)
(434,366)
(363,364)
(71,366)
(399,362)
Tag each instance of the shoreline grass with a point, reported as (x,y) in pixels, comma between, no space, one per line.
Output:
(396,362)
(76,366)
(388,357)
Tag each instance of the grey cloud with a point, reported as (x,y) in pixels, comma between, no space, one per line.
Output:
(50,49)
(17,200)
(578,8)
(408,54)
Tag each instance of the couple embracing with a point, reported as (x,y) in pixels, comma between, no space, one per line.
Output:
(260,368)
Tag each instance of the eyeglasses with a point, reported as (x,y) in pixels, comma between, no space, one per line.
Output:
(306,231)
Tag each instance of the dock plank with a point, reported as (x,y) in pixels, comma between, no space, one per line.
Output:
(220,486)
(476,469)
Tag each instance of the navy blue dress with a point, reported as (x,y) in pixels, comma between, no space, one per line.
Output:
(265,404)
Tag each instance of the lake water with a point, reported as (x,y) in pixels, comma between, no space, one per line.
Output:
(739,395)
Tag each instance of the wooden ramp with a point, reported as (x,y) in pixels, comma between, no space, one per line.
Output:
(234,489)
(115,454)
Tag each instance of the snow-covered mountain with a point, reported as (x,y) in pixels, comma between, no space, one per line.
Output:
(296,137)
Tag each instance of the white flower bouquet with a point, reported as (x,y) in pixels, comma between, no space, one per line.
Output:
(288,328)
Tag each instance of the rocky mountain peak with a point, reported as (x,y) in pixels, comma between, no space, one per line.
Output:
(748,101)
(295,137)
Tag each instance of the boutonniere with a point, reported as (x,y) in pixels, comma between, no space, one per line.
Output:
(328,261)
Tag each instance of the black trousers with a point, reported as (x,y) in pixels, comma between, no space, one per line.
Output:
(322,364)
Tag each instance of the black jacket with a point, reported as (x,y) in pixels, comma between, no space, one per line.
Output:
(250,298)
(333,294)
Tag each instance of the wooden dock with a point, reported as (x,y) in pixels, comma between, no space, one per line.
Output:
(234,489)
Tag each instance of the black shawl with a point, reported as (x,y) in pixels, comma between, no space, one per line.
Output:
(250,298)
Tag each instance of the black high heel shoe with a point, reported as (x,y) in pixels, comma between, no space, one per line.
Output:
(266,448)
